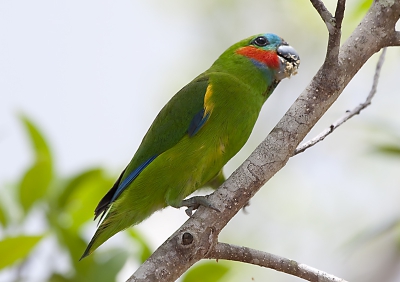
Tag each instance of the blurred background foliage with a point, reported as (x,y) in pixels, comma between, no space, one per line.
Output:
(339,225)
(65,205)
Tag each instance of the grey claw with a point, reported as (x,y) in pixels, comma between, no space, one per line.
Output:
(194,203)
(189,211)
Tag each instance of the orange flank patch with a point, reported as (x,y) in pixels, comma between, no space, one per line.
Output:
(269,58)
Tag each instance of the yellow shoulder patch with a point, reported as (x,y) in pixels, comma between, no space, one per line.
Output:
(208,104)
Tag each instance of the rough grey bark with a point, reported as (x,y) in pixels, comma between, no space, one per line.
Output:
(197,237)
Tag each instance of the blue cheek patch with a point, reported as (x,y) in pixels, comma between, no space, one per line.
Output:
(268,73)
(258,64)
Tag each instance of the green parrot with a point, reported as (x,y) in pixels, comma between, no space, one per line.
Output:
(195,134)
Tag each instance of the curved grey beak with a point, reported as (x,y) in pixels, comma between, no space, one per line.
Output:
(289,53)
(290,61)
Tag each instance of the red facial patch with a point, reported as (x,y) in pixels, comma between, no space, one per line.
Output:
(269,58)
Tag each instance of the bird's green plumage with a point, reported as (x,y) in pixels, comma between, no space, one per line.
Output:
(231,93)
(172,123)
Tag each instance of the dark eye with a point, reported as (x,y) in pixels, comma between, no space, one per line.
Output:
(261,41)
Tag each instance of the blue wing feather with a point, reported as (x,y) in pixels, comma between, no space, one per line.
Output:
(120,185)
(128,180)
(197,122)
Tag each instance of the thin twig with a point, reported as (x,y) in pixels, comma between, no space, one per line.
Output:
(325,14)
(349,114)
(335,34)
(256,257)
(339,13)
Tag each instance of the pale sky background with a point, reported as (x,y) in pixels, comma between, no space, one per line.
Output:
(94,74)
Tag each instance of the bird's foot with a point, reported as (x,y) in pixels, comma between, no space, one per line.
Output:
(195,202)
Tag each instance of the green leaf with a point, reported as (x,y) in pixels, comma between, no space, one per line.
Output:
(389,150)
(36,180)
(75,183)
(106,270)
(3,216)
(58,278)
(34,184)
(73,207)
(80,197)
(361,8)
(16,248)
(206,272)
(144,249)
(72,242)
(75,246)
(39,144)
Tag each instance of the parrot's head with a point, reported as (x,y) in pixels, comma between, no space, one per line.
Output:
(271,53)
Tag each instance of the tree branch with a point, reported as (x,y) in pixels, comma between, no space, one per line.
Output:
(325,14)
(256,257)
(349,114)
(335,34)
(198,235)
(395,39)
(334,26)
